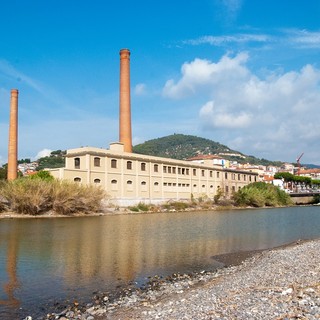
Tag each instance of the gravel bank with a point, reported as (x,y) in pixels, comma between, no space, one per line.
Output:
(278,284)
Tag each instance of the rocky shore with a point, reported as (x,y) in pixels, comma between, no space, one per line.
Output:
(278,284)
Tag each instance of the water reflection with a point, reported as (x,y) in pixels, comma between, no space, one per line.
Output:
(12,282)
(49,259)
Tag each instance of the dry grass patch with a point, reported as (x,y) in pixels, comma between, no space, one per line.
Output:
(36,196)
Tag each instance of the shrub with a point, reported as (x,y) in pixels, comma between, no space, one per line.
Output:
(27,196)
(70,197)
(139,207)
(42,175)
(35,196)
(259,194)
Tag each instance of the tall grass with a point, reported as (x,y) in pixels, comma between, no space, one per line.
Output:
(36,196)
(260,194)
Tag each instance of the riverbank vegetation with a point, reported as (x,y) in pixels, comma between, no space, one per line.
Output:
(260,194)
(257,194)
(41,193)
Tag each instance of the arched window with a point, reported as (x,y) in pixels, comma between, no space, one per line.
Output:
(77,163)
(96,180)
(143,166)
(143,186)
(155,168)
(156,186)
(113,163)
(114,185)
(77,179)
(129,185)
(129,165)
(96,162)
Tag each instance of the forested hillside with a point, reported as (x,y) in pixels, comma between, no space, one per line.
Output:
(180,146)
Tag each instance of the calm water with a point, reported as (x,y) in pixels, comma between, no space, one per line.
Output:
(44,261)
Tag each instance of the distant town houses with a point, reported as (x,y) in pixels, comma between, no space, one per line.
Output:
(28,168)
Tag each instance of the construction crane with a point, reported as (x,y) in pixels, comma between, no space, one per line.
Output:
(298,163)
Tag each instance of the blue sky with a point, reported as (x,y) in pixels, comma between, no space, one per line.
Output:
(244,73)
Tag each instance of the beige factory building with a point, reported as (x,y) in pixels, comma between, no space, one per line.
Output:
(129,178)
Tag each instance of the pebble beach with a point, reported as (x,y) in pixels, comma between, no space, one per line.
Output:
(282,283)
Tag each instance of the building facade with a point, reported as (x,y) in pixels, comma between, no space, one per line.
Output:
(129,178)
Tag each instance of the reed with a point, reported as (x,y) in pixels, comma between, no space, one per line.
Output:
(37,196)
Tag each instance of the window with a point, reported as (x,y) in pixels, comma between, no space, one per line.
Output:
(129,165)
(169,169)
(183,170)
(164,169)
(202,173)
(77,163)
(143,186)
(244,177)
(143,166)
(113,163)
(239,176)
(218,174)
(129,185)
(179,170)
(227,189)
(210,174)
(114,185)
(173,170)
(96,180)
(156,183)
(250,178)
(77,179)
(233,176)
(226,175)
(96,162)
(155,168)
(194,172)
(233,189)
(187,172)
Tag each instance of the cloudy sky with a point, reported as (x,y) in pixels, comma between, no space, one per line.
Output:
(244,73)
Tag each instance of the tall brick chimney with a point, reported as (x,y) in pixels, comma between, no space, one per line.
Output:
(125,135)
(13,137)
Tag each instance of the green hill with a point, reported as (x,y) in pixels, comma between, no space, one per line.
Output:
(180,146)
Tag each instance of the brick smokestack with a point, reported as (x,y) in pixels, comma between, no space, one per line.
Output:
(13,136)
(125,135)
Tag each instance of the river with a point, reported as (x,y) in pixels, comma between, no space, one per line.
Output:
(45,262)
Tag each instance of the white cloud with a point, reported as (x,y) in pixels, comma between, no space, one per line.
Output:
(230,9)
(43,153)
(304,38)
(276,115)
(140,89)
(8,70)
(199,73)
(229,39)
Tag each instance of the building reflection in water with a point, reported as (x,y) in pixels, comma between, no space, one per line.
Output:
(42,259)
